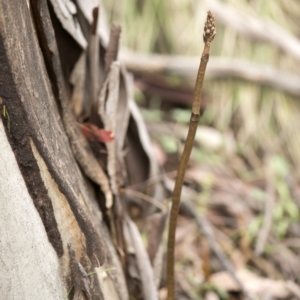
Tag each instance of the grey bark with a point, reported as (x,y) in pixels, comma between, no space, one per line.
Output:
(45,201)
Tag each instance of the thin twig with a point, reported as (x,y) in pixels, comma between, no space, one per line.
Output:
(112,48)
(144,197)
(208,36)
(92,61)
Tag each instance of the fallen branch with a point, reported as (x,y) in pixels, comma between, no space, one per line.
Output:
(255,28)
(218,68)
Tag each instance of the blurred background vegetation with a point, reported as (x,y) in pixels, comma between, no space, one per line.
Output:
(250,108)
(262,118)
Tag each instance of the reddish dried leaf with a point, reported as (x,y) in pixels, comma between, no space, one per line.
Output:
(92,132)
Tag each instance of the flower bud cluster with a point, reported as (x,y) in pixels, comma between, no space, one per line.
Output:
(209,28)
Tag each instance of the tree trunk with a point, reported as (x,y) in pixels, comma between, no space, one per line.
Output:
(52,231)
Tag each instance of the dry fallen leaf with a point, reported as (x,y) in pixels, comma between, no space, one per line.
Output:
(66,13)
(254,284)
(93,133)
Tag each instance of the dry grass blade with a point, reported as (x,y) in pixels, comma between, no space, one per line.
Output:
(208,36)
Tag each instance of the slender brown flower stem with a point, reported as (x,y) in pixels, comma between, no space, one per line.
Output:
(208,36)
